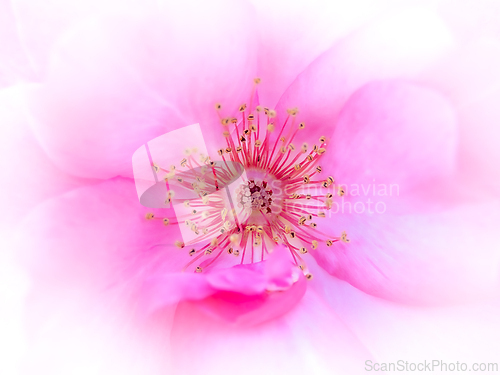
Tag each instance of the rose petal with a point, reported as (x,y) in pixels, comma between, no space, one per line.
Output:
(433,258)
(97,241)
(309,338)
(396,135)
(116,82)
(393,46)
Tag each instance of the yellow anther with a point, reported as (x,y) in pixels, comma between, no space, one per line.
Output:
(260,229)
(319,169)
(314,244)
(218,106)
(226,134)
(341,191)
(310,157)
(306,179)
(256,80)
(324,184)
(258,108)
(313,225)
(156,168)
(208,251)
(192,252)
(292,234)
(329,195)
(179,244)
(230,250)
(272,113)
(315,148)
(238,149)
(150,216)
(309,276)
(253,127)
(291,147)
(322,139)
(302,125)
(223,213)
(321,151)
(220,151)
(199,269)
(328,203)
(275,239)
(344,238)
(166,221)
(303,250)
(236,252)
(304,147)
(302,220)
(321,214)
(228,150)
(292,111)
(205,200)
(251,117)
(308,196)
(330,180)
(234,120)
(214,242)
(270,127)
(287,229)
(309,217)
(225,121)
(242,107)
(282,149)
(246,131)
(234,238)
(243,139)
(297,166)
(258,143)
(183,162)
(282,139)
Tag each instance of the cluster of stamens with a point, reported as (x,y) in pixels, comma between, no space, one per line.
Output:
(262,216)
(255,195)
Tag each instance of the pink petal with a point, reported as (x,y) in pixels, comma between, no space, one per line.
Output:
(96,241)
(393,46)
(470,79)
(435,258)
(116,82)
(28,176)
(169,289)
(396,135)
(14,64)
(294,34)
(461,332)
(309,338)
(245,295)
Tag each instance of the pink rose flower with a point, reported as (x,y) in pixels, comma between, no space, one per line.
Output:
(369,141)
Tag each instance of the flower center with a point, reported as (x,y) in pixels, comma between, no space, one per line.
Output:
(276,201)
(255,195)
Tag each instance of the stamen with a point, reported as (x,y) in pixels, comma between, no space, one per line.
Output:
(276,198)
